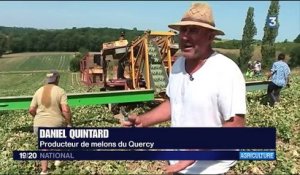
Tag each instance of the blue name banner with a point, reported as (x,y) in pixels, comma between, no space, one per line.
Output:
(157,138)
(143,155)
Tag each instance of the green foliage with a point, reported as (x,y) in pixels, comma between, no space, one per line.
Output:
(231,44)
(284,116)
(268,55)
(26,83)
(75,61)
(20,84)
(270,34)
(23,74)
(246,50)
(295,57)
(70,40)
(16,129)
(3,43)
(297,40)
(37,62)
(16,134)
(286,47)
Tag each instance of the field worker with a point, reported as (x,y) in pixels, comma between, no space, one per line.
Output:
(206,89)
(257,68)
(279,78)
(250,69)
(49,108)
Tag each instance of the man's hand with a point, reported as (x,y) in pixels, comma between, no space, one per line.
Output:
(181,165)
(133,120)
(32,111)
(66,112)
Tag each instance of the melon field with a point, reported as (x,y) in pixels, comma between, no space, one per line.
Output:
(16,126)
(42,61)
(24,73)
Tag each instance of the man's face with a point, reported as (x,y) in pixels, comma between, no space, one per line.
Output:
(194,41)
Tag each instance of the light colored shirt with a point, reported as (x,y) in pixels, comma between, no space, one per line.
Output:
(48,99)
(217,93)
(280,72)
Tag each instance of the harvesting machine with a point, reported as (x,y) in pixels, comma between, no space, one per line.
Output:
(142,64)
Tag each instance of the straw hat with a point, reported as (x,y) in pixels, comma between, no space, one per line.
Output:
(200,14)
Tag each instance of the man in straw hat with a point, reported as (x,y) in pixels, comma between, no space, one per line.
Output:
(206,89)
(49,108)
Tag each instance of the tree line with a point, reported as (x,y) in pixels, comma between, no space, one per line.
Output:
(14,39)
(268,48)
(17,39)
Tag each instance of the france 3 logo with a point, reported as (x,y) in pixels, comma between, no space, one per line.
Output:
(272,22)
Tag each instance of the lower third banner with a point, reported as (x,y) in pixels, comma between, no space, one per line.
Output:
(144,155)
